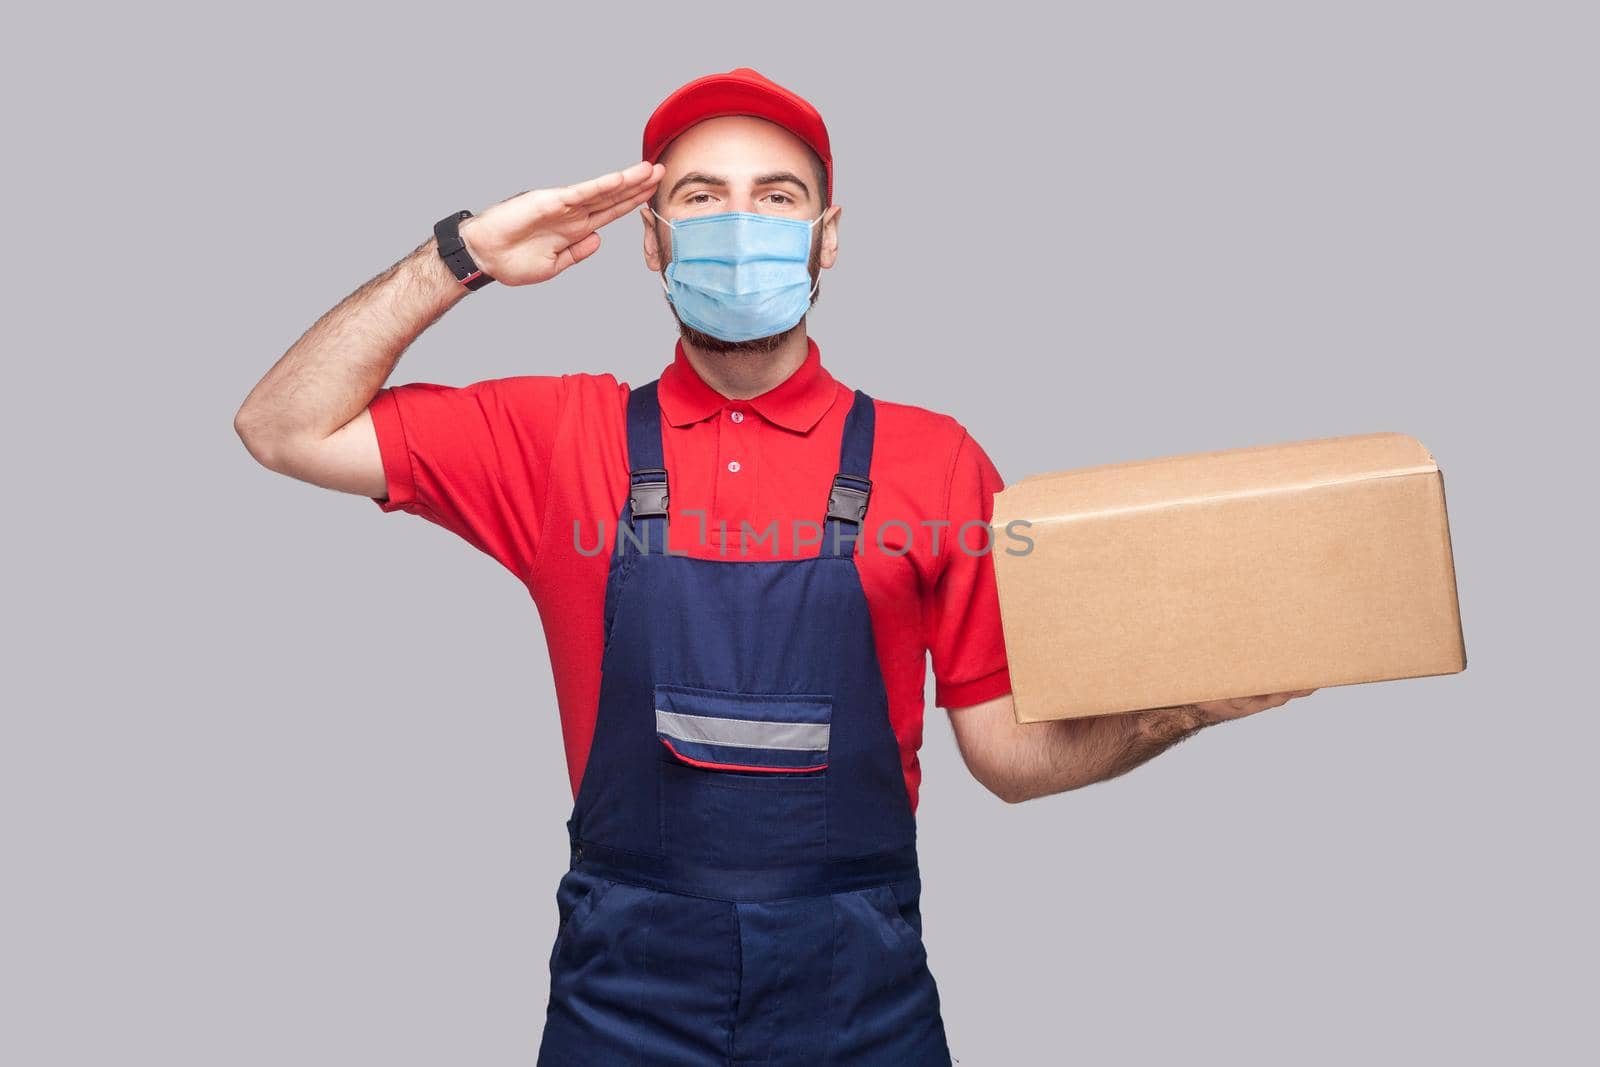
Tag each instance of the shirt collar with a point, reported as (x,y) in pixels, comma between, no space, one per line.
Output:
(796,403)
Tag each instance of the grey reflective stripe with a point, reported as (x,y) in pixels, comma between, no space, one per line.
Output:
(745,733)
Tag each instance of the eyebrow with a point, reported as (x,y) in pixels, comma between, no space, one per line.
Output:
(775,178)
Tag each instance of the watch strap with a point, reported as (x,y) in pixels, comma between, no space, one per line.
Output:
(453,250)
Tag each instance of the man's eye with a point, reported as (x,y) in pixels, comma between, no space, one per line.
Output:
(695,199)
(783,198)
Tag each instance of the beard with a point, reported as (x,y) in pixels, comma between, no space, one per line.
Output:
(705,342)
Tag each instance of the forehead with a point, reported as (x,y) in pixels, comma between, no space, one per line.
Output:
(737,146)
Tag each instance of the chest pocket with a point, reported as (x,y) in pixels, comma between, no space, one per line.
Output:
(743,732)
(743,775)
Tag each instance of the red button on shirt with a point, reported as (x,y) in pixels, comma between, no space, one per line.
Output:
(533,470)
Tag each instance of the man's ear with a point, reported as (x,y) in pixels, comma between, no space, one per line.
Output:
(830,236)
(652,248)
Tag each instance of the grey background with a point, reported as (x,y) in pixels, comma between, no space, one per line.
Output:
(280,775)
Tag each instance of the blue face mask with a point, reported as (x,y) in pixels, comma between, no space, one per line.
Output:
(737,275)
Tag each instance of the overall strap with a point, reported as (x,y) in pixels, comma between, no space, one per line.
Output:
(851,490)
(643,526)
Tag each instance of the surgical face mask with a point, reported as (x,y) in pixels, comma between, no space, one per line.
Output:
(737,275)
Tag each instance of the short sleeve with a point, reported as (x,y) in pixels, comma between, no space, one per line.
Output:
(964,636)
(474,459)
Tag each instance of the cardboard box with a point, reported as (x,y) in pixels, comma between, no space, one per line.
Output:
(1226,574)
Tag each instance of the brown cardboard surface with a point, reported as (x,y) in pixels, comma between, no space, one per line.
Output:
(1227,574)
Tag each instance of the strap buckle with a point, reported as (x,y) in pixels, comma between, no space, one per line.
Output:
(647,497)
(847,500)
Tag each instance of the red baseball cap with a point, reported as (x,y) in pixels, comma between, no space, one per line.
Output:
(739,92)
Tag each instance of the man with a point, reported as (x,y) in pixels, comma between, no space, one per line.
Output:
(740,568)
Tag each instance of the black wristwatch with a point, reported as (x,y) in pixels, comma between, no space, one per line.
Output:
(453,250)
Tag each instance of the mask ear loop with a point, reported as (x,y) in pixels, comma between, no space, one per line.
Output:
(819,273)
(663,275)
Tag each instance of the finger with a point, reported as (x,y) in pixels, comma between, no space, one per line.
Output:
(648,186)
(652,179)
(618,209)
(595,222)
(577,251)
(539,208)
(608,187)
(629,200)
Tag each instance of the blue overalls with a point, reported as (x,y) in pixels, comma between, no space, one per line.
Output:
(744,886)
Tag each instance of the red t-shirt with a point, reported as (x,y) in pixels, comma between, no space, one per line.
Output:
(533,470)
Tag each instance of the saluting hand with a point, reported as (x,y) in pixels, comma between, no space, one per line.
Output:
(536,235)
